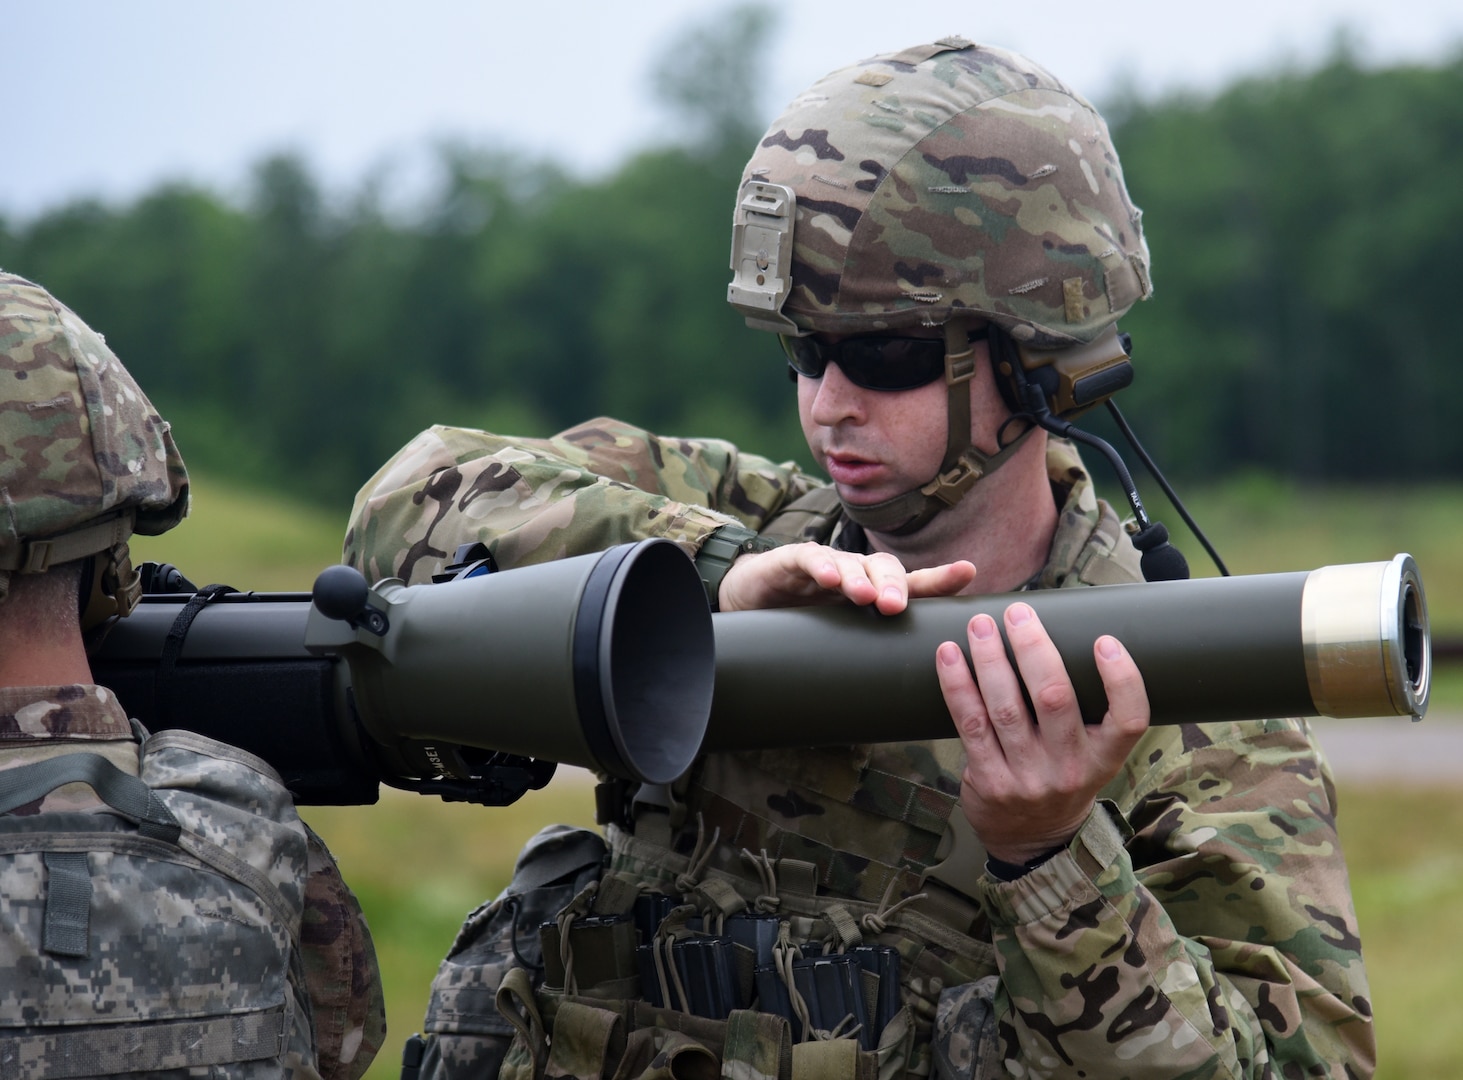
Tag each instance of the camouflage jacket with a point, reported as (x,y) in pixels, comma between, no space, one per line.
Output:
(339,961)
(1200,925)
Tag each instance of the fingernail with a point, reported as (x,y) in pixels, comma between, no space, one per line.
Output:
(893,595)
(1017,614)
(983,627)
(948,654)
(1109,648)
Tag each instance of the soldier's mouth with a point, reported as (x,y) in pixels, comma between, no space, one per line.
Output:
(848,470)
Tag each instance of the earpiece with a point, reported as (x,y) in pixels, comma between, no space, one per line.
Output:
(1046,387)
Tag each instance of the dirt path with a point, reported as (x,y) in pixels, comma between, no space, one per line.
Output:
(1393,748)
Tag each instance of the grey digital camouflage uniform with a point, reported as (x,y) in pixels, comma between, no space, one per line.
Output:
(175,944)
(471,1036)
(1200,924)
(84,462)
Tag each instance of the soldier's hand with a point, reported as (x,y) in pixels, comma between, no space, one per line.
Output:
(803,574)
(1030,782)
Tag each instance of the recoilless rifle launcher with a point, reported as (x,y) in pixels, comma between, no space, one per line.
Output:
(473,688)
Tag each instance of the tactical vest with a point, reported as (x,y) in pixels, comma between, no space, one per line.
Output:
(832,889)
(158,936)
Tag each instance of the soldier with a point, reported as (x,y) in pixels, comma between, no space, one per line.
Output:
(165,910)
(931,233)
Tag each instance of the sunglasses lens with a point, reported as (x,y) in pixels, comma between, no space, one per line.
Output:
(804,355)
(872,362)
(882,363)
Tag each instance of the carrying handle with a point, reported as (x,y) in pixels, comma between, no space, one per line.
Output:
(123,792)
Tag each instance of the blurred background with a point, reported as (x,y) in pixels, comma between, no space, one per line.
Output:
(312,229)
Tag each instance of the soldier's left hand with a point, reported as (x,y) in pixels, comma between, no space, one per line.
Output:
(795,575)
(1031,781)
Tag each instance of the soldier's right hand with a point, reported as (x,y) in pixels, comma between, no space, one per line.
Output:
(798,575)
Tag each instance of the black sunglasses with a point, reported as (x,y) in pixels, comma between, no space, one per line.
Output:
(871,361)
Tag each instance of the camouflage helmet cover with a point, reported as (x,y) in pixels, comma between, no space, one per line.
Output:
(954,179)
(84,458)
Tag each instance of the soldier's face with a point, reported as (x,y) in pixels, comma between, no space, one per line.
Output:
(873,444)
(876,444)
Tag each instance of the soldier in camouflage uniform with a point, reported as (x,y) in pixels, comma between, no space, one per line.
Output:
(1097,902)
(166,968)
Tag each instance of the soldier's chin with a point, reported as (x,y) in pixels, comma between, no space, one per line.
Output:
(862,497)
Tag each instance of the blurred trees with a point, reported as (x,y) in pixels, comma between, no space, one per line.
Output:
(1301,227)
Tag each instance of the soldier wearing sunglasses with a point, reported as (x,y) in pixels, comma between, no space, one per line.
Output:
(943,243)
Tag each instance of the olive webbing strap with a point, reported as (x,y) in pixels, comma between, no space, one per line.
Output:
(38,556)
(66,927)
(125,1049)
(173,648)
(66,930)
(123,792)
(791,848)
(516,1004)
(959,370)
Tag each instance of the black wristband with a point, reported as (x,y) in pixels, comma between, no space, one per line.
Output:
(1004,871)
(720,550)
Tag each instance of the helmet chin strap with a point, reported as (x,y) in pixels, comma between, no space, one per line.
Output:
(963,464)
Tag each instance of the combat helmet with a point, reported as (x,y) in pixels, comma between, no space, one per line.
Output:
(954,185)
(85,460)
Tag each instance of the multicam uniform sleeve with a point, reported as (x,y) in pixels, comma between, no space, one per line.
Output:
(1199,926)
(533,500)
(341,970)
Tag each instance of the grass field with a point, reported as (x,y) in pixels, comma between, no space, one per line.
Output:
(419,864)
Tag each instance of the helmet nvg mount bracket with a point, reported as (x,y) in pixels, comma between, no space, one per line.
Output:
(762,255)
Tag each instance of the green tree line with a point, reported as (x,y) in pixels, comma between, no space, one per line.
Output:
(1302,225)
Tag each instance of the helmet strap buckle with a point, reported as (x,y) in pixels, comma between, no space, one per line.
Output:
(951,485)
(959,367)
(959,370)
(112,587)
(37,558)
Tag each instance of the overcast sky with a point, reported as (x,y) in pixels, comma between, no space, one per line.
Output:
(109,98)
